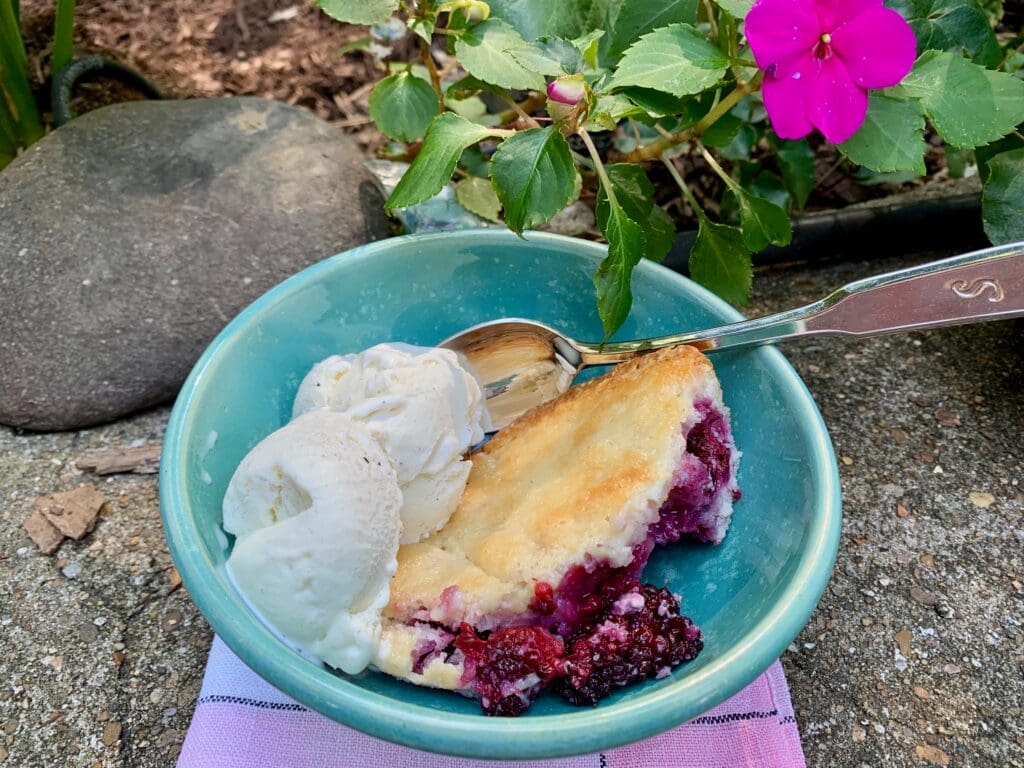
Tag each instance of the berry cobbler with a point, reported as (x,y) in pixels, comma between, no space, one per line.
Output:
(535,583)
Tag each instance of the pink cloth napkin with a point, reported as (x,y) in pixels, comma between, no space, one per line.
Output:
(243,722)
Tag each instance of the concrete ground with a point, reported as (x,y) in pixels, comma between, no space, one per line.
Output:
(915,655)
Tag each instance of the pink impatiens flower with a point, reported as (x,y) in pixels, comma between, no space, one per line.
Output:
(821,56)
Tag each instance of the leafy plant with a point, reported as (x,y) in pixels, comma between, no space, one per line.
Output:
(532,103)
(21,123)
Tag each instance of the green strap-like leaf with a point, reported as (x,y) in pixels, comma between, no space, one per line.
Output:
(626,244)
(968,105)
(487,51)
(676,59)
(891,137)
(359,11)
(534,176)
(447,136)
(720,261)
(402,106)
(1002,201)
(477,196)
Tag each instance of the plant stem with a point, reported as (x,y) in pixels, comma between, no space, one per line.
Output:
(15,90)
(711,19)
(674,173)
(528,104)
(521,113)
(730,182)
(63,33)
(655,149)
(602,174)
(435,78)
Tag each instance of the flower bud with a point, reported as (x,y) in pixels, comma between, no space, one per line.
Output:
(570,89)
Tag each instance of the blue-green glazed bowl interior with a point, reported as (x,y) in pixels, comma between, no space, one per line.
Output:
(751,595)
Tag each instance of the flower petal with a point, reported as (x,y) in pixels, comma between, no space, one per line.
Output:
(836,105)
(833,13)
(878,47)
(785,99)
(781,30)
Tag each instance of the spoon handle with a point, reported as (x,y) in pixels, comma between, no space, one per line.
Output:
(970,288)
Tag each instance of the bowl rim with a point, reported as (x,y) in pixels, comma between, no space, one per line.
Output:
(546,736)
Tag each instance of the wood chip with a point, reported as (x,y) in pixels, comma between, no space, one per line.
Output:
(931,754)
(142,460)
(42,532)
(981,499)
(111,733)
(921,693)
(73,513)
(946,417)
(902,511)
(927,560)
(903,637)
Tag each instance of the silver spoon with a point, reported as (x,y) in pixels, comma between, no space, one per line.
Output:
(523,363)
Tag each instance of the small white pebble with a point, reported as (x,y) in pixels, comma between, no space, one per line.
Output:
(99,621)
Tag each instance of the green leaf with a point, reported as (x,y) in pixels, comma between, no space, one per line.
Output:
(542,18)
(607,110)
(477,196)
(550,56)
(656,103)
(796,161)
(1002,200)
(720,261)
(486,52)
(957,161)
(891,137)
(722,131)
(626,245)
(968,105)
(402,106)
(423,28)
(447,136)
(983,154)
(634,193)
(534,176)
(741,145)
(762,222)
(359,11)
(737,8)
(629,20)
(660,234)
(676,59)
(951,25)
(587,44)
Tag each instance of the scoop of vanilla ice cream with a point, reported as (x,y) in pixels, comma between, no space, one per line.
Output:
(315,509)
(424,409)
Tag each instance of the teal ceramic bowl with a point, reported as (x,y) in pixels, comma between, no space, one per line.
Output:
(751,595)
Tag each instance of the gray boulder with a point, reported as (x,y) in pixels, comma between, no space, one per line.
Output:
(131,236)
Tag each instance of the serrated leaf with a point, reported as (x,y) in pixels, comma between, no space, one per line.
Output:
(967,104)
(534,176)
(359,11)
(608,109)
(742,143)
(402,106)
(626,245)
(722,131)
(486,52)
(796,161)
(447,136)
(736,8)
(628,20)
(891,137)
(477,196)
(634,193)
(423,28)
(762,222)
(957,25)
(587,44)
(985,153)
(541,18)
(768,186)
(550,56)
(1002,199)
(655,103)
(676,59)
(720,261)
